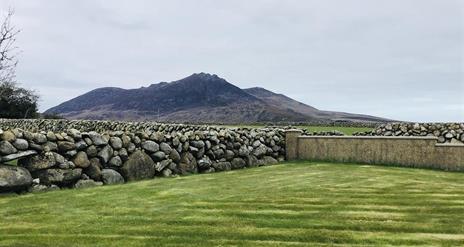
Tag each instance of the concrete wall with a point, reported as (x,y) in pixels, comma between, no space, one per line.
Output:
(423,152)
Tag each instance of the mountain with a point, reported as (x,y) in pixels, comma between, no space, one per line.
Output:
(282,101)
(200,97)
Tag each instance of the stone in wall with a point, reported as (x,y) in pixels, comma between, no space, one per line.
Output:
(86,183)
(139,166)
(14,179)
(38,162)
(110,176)
(60,177)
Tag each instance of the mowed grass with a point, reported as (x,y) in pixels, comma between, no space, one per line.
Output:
(345,130)
(292,204)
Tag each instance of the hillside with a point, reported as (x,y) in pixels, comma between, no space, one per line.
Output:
(200,97)
(282,101)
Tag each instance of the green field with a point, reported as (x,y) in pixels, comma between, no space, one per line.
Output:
(345,130)
(293,204)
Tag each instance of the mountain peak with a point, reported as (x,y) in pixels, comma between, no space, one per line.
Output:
(206,76)
(194,81)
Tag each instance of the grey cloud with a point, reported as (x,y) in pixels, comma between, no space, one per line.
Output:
(397,59)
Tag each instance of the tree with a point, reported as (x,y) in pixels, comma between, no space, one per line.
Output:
(15,102)
(8,50)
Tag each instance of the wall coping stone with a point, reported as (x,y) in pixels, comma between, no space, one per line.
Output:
(374,137)
(445,145)
(294,131)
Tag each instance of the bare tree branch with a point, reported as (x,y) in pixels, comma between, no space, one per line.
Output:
(15,101)
(8,49)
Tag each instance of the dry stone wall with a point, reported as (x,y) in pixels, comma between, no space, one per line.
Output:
(445,132)
(53,154)
(59,125)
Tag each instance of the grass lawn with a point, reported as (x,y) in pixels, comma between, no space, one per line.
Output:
(345,130)
(294,204)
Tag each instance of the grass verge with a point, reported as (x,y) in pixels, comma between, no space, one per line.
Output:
(293,204)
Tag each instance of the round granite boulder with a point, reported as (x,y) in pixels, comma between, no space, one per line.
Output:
(7,148)
(14,178)
(110,176)
(138,166)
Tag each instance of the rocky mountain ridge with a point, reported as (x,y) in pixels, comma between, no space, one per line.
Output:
(197,98)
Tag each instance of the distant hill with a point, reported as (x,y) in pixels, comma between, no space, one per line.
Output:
(200,97)
(284,102)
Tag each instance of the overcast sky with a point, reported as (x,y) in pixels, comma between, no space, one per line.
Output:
(395,58)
